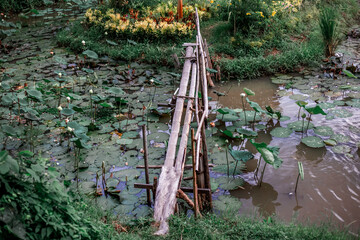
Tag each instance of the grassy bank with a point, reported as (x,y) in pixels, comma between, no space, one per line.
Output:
(283,41)
(35,204)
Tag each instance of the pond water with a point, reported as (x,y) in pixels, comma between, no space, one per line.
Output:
(331,187)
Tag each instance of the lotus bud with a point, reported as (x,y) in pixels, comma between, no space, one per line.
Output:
(151,81)
(106,33)
(68,99)
(227,141)
(59,108)
(70,129)
(83,42)
(242,95)
(66,120)
(60,74)
(91,91)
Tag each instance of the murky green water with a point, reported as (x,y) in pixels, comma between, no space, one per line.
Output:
(331,188)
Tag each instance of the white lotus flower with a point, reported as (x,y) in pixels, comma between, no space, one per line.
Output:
(83,42)
(151,80)
(68,99)
(59,108)
(60,74)
(70,129)
(91,91)
(242,95)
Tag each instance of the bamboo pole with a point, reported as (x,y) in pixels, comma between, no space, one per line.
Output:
(206,167)
(170,177)
(146,163)
(196,203)
(203,70)
(187,120)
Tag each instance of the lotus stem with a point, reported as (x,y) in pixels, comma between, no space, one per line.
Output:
(235,169)
(254,120)
(59,95)
(243,104)
(302,128)
(299,113)
(257,168)
(262,174)
(307,127)
(297,181)
(227,162)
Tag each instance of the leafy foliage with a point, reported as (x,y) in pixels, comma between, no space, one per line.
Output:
(35,205)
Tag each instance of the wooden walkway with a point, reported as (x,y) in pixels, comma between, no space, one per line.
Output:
(194,83)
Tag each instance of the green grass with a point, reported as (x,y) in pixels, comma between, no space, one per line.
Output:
(95,38)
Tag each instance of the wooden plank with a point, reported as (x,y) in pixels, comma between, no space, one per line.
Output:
(190,44)
(187,166)
(184,189)
(146,162)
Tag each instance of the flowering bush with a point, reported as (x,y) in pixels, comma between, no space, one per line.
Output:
(133,27)
(259,14)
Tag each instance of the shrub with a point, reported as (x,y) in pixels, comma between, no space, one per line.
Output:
(328,25)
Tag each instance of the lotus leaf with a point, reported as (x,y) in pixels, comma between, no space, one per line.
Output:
(330,142)
(281,132)
(298,97)
(249,92)
(313,142)
(315,110)
(91,54)
(301,170)
(341,138)
(298,126)
(232,183)
(67,112)
(227,204)
(341,149)
(324,131)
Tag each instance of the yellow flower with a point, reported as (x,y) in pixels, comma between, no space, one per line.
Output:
(211,1)
(273,13)
(261,14)
(248,13)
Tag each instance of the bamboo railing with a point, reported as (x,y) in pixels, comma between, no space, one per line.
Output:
(168,188)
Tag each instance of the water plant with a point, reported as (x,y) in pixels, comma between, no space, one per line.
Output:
(301,174)
(270,156)
(239,155)
(313,110)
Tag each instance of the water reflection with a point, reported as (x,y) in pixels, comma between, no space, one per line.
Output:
(263,197)
(305,153)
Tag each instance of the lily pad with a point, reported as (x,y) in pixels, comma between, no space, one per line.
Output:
(339,113)
(281,132)
(341,149)
(341,138)
(91,54)
(298,97)
(232,183)
(298,126)
(240,155)
(313,142)
(330,142)
(324,131)
(227,204)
